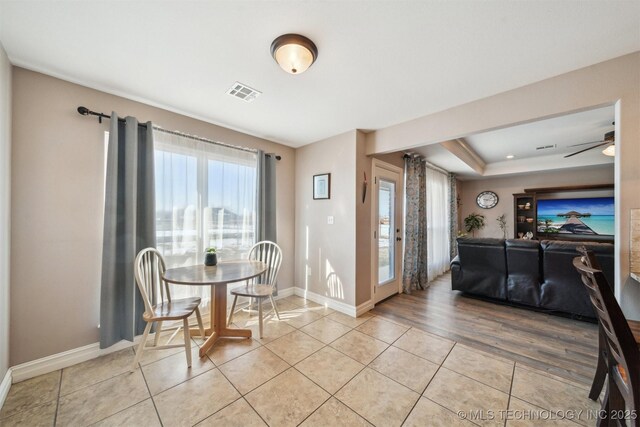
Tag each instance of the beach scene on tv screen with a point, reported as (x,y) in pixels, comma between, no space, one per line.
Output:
(594,216)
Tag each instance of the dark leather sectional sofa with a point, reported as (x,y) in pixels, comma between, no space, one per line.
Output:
(532,273)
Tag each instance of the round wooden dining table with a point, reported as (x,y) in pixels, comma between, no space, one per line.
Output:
(217,277)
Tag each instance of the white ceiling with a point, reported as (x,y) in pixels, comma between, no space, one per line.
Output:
(380,62)
(521,141)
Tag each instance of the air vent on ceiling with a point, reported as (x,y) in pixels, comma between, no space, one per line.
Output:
(243,92)
(546,147)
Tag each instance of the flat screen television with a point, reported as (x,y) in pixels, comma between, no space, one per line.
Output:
(582,217)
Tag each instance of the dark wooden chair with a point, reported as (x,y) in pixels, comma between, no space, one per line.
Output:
(623,356)
(600,376)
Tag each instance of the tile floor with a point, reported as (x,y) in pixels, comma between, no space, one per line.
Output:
(315,367)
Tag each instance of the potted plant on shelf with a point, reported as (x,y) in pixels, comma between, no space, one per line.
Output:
(210,256)
(473,222)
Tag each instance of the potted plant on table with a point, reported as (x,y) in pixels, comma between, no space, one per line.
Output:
(502,222)
(473,222)
(210,256)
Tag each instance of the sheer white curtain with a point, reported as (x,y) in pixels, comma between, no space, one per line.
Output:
(438,221)
(205,196)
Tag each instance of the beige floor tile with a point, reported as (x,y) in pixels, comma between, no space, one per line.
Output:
(484,367)
(95,370)
(238,414)
(425,345)
(297,398)
(325,330)
(31,393)
(352,322)
(382,329)
(549,393)
(320,309)
(102,400)
(359,346)
(227,349)
(459,393)
(295,346)
(271,329)
(556,377)
(150,356)
(524,414)
(428,413)
(298,301)
(336,414)
(299,317)
(40,416)
(142,414)
(173,370)
(194,400)
(403,367)
(253,369)
(375,397)
(329,368)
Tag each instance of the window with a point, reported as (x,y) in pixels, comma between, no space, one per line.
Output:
(205,196)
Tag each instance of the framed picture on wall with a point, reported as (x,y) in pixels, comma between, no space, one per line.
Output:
(322,186)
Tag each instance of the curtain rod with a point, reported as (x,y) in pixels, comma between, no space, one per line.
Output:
(427,163)
(84,111)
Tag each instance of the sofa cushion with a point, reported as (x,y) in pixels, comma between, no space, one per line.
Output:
(523,271)
(483,267)
(562,289)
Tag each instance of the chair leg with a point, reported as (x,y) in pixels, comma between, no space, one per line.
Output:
(599,378)
(187,340)
(233,309)
(603,415)
(145,335)
(250,305)
(275,307)
(200,325)
(157,334)
(260,314)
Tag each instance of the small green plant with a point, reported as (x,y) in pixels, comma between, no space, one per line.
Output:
(210,250)
(502,222)
(473,222)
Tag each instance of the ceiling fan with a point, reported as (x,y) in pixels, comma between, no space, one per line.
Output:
(609,139)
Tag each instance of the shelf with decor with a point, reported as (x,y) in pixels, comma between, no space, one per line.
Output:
(524,207)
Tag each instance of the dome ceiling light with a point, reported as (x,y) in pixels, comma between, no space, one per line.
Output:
(294,53)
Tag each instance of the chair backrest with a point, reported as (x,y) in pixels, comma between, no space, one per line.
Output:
(271,254)
(149,267)
(622,348)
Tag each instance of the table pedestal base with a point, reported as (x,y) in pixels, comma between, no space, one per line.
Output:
(219,321)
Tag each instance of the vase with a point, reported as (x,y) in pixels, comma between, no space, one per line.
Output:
(210,259)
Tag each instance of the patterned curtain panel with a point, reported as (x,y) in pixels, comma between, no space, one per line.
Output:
(414,274)
(453,208)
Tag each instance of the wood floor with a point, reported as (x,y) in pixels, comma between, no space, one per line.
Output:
(561,346)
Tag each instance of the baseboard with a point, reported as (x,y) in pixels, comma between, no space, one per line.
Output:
(283,293)
(65,359)
(328,302)
(364,307)
(5,385)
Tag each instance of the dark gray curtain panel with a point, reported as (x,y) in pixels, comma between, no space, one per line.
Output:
(129,226)
(414,272)
(453,214)
(266,206)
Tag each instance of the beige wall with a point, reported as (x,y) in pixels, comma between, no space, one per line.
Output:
(5,207)
(615,82)
(325,254)
(505,187)
(363,222)
(58,176)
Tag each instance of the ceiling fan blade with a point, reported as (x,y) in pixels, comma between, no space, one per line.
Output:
(585,143)
(587,149)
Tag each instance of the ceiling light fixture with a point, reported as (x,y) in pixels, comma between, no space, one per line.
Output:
(610,151)
(510,156)
(294,53)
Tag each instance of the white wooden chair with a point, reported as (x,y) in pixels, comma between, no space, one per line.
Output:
(262,286)
(149,267)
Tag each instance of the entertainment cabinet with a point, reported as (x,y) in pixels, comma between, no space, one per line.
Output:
(525,212)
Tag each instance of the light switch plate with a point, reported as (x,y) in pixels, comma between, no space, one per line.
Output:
(330,219)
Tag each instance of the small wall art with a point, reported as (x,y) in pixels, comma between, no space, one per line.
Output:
(322,186)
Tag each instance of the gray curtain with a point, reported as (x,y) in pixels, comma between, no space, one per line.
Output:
(129,226)
(266,206)
(414,274)
(453,209)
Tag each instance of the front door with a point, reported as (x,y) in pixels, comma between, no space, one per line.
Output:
(387,232)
